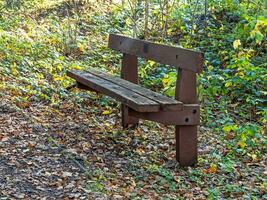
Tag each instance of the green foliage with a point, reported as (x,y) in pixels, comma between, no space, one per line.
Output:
(213,194)
(167,177)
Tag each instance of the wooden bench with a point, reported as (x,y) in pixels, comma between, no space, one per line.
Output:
(141,103)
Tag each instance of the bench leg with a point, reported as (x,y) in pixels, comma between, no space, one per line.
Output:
(186,136)
(127,120)
(129,72)
(186,145)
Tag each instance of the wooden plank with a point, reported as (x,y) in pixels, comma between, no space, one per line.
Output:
(129,72)
(188,116)
(167,104)
(129,98)
(186,136)
(168,55)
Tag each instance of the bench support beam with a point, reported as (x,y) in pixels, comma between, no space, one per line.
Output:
(189,115)
(129,72)
(186,136)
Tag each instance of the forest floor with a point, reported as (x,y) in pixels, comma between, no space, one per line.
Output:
(72,153)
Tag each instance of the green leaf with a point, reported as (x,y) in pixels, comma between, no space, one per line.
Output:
(229,128)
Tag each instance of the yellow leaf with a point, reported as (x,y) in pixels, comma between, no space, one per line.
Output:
(236,44)
(106,112)
(228,84)
(81,47)
(58,78)
(177,179)
(254,156)
(241,74)
(210,67)
(242,144)
(165,82)
(77,67)
(59,67)
(228,128)
(212,169)
(140,151)
(14,69)
(39,75)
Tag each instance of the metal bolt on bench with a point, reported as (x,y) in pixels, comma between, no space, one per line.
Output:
(141,103)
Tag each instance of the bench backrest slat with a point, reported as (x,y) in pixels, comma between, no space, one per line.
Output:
(168,55)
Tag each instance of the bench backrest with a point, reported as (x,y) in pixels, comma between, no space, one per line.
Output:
(175,56)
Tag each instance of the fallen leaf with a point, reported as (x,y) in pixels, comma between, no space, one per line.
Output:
(106,112)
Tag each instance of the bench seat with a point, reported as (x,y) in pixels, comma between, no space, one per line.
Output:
(132,95)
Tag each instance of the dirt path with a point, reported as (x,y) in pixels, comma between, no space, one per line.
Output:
(30,166)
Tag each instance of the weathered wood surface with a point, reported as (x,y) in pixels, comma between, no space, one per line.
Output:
(189,115)
(129,72)
(166,103)
(168,55)
(126,96)
(186,136)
